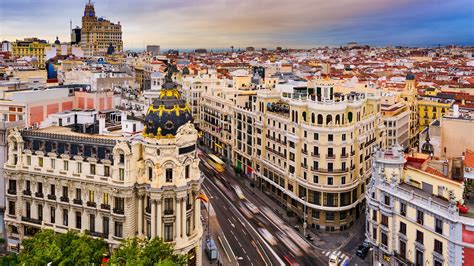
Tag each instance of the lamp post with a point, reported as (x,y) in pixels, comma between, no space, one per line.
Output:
(304,216)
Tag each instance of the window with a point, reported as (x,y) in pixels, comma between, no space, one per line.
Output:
(66,166)
(53,215)
(186,172)
(315,179)
(28,160)
(419,258)
(40,161)
(419,217)
(387,200)
(11,207)
(330,180)
(91,196)
(40,212)
(119,204)
(419,237)
(188,226)
(343,137)
(118,229)
(12,185)
(78,220)
(28,185)
(330,216)
(92,223)
(438,246)
(78,193)
(52,190)
(402,249)
(150,173)
(439,226)
(40,188)
(169,175)
(438,263)
(383,220)
(28,209)
(374,233)
(374,215)
(316,136)
(330,137)
(92,170)
(65,217)
(403,228)
(403,209)
(121,174)
(65,192)
(79,167)
(384,239)
(106,198)
(343,180)
(105,226)
(168,232)
(106,170)
(53,163)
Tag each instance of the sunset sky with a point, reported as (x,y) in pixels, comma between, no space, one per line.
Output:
(259,23)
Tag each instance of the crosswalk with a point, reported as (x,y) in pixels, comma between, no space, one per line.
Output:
(338,253)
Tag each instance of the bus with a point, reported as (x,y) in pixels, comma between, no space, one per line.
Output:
(216,163)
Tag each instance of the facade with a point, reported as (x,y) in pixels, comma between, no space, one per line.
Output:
(315,151)
(97,33)
(411,214)
(431,108)
(396,118)
(32,48)
(97,181)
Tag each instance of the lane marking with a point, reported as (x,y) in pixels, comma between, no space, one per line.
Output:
(232,251)
(225,250)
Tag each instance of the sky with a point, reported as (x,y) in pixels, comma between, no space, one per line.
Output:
(259,23)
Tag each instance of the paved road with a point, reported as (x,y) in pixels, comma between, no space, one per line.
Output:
(290,247)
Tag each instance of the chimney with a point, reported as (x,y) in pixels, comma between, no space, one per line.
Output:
(445,168)
(101,123)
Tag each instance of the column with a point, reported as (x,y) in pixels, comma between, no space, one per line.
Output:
(178,217)
(153,218)
(159,219)
(140,216)
(197,213)
(183,219)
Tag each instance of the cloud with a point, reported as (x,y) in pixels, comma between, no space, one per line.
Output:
(221,23)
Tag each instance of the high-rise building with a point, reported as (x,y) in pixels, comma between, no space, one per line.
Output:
(97,180)
(97,33)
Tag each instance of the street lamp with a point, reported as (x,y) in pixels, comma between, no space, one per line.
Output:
(304,216)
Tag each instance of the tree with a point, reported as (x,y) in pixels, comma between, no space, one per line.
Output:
(70,248)
(135,251)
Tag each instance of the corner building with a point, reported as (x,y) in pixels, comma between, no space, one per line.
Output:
(107,185)
(314,150)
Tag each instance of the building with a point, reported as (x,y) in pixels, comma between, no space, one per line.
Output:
(97,33)
(433,107)
(76,35)
(414,212)
(409,96)
(153,49)
(6,46)
(33,49)
(87,176)
(396,118)
(312,152)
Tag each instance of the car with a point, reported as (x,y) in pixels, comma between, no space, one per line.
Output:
(334,260)
(296,227)
(254,209)
(267,236)
(310,237)
(366,243)
(362,251)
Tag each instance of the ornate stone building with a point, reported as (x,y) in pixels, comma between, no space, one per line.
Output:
(107,185)
(98,34)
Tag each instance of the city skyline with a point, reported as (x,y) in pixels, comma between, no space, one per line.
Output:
(220,24)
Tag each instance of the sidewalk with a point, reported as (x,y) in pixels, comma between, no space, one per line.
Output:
(214,232)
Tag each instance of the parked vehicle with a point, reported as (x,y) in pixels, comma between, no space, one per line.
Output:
(362,251)
(334,260)
(310,237)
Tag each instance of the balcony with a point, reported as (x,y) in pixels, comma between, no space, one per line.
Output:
(168,212)
(118,211)
(353,153)
(77,201)
(276,152)
(93,233)
(51,197)
(370,142)
(305,152)
(27,192)
(105,206)
(305,166)
(64,199)
(345,155)
(39,194)
(30,220)
(316,155)
(321,170)
(330,156)
(276,140)
(91,204)
(11,191)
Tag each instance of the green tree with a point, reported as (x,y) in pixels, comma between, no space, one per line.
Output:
(61,249)
(137,251)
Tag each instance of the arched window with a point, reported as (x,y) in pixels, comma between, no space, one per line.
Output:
(342,120)
(338,119)
(328,119)
(349,117)
(304,116)
(313,118)
(320,119)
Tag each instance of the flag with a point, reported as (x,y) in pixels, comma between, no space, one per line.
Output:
(202,197)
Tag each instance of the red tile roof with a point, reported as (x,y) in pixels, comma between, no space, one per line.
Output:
(469,159)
